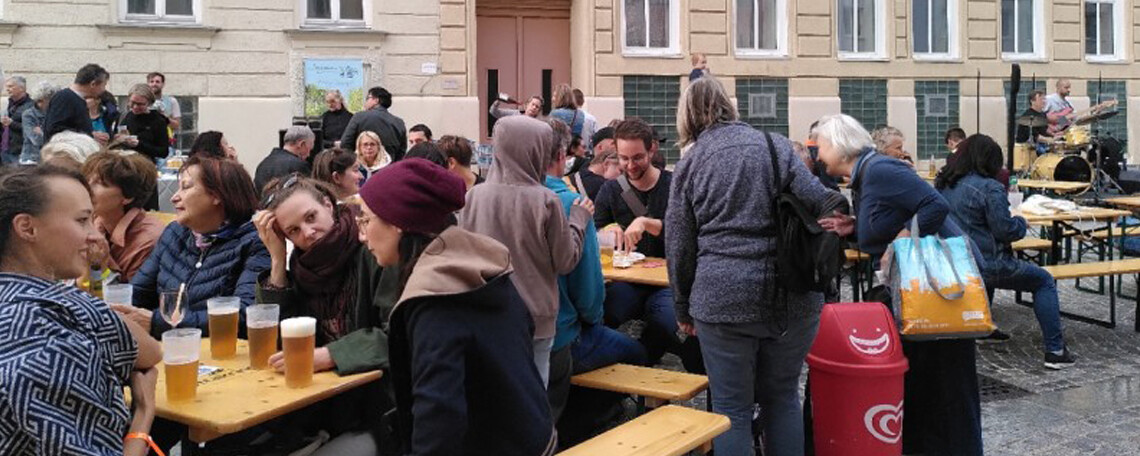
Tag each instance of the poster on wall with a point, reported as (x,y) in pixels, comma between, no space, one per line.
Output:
(324,75)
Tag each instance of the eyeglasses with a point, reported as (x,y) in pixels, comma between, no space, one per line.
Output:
(136,103)
(362,221)
(272,195)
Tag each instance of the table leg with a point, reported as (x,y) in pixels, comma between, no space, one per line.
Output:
(1055,251)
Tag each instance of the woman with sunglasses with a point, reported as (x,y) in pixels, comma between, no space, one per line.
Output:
(333,278)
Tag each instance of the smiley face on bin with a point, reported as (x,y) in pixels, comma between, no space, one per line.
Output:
(870,343)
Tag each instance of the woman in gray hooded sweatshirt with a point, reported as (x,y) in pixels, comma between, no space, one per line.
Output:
(515,208)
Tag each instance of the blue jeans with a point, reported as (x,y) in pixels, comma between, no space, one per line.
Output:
(653,305)
(758,363)
(598,346)
(1017,275)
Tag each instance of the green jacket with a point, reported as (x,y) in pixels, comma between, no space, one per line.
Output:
(365,347)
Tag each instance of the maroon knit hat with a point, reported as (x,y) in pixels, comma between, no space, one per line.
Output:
(415,195)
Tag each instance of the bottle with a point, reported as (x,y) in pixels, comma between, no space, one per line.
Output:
(95,281)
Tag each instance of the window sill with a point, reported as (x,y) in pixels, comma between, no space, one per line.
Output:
(1107,60)
(762,55)
(936,58)
(852,57)
(314,30)
(125,34)
(7,29)
(1024,58)
(662,53)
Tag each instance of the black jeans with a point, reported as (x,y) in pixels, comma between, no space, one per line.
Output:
(942,403)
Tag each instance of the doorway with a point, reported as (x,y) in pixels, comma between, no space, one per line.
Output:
(523,49)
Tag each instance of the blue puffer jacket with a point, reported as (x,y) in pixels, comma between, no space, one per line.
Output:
(229,267)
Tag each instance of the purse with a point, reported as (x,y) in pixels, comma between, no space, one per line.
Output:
(937,288)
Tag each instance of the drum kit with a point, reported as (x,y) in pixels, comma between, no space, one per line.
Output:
(1077,155)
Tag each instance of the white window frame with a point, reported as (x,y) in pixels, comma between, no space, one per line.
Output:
(1118,30)
(1039,28)
(160,16)
(952,27)
(335,22)
(782,18)
(880,52)
(674,49)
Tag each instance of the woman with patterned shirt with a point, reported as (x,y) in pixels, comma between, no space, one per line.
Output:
(64,355)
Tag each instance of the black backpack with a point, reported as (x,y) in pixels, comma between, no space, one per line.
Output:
(808,258)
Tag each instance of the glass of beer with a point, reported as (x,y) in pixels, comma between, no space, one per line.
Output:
(223,313)
(298,340)
(180,359)
(606,243)
(261,330)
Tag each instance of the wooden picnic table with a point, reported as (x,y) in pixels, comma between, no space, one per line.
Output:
(1061,220)
(657,276)
(237,397)
(1131,203)
(1052,186)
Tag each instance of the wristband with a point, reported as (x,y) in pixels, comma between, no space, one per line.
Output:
(146,438)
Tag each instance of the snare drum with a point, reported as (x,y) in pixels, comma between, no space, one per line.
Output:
(1077,136)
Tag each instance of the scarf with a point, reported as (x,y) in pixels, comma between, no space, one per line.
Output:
(226,231)
(325,274)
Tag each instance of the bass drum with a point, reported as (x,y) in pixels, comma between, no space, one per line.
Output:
(1058,167)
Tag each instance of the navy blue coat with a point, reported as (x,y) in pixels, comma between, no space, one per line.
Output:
(229,267)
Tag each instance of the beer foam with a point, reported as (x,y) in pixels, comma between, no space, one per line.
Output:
(222,311)
(298,327)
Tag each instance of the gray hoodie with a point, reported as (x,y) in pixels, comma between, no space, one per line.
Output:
(516,209)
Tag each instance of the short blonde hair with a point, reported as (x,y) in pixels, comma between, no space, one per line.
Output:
(696,58)
(846,134)
(142,90)
(704,104)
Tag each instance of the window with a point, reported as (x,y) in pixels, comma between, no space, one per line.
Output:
(160,10)
(1115,127)
(654,99)
(1103,30)
(764,103)
(649,27)
(335,13)
(861,28)
(1021,28)
(761,27)
(935,29)
(937,104)
(865,100)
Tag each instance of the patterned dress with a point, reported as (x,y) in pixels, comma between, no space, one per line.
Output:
(64,360)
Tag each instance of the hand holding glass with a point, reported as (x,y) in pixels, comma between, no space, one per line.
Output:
(298,339)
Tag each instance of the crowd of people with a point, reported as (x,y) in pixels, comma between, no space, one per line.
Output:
(478,293)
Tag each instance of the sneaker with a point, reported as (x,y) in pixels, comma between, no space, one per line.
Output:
(1058,362)
(998,336)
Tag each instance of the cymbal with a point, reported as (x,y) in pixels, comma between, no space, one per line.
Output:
(1033,121)
(1096,118)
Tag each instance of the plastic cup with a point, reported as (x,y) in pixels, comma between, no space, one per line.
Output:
(298,340)
(223,313)
(180,349)
(261,331)
(120,293)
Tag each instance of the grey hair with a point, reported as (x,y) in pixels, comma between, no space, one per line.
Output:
(44,91)
(336,94)
(142,90)
(883,135)
(297,133)
(846,135)
(76,146)
(704,104)
(561,142)
(20,81)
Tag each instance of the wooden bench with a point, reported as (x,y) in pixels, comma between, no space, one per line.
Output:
(667,431)
(653,387)
(1110,269)
(1032,244)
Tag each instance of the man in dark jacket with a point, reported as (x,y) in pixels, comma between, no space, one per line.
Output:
(334,121)
(287,160)
(67,110)
(13,120)
(376,118)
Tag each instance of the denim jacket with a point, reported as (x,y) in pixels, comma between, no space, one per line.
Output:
(980,207)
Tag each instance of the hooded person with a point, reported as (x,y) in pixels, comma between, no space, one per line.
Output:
(459,333)
(515,208)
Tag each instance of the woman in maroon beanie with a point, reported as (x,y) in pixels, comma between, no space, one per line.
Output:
(459,334)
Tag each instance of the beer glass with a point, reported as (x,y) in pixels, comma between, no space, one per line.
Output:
(261,330)
(223,313)
(298,340)
(180,359)
(606,243)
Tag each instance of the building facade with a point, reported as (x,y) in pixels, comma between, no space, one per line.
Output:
(920,65)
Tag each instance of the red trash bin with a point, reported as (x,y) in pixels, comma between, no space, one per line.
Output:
(856,376)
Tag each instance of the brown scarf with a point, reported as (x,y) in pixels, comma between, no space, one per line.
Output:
(325,275)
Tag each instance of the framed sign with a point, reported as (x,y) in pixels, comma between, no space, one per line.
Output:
(325,75)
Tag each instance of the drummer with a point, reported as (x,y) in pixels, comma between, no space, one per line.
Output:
(1035,116)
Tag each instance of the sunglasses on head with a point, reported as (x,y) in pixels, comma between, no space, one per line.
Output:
(273,194)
